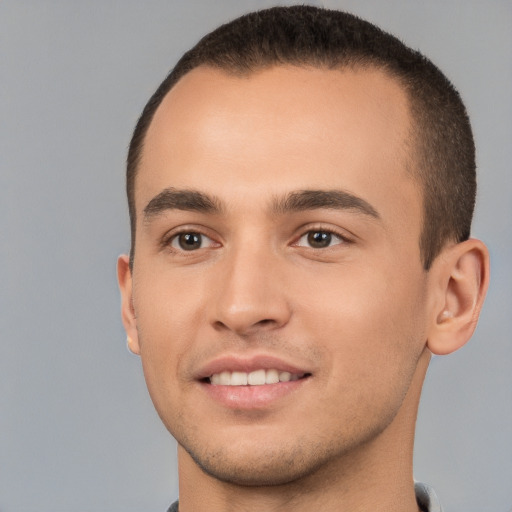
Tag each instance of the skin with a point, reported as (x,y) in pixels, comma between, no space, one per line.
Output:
(360,316)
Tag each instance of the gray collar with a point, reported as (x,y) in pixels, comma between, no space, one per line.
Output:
(426,498)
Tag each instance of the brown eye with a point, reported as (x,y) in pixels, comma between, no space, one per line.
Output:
(319,239)
(188,241)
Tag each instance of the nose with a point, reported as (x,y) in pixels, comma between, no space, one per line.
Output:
(252,296)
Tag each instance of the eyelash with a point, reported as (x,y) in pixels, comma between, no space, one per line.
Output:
(344,239)
(168,240)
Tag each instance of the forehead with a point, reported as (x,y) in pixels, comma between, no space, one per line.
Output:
(280,128)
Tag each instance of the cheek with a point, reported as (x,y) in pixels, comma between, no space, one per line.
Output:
(168,307)
(168,320)
(371,324)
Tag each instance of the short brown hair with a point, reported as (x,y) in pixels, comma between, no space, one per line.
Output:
(443,157)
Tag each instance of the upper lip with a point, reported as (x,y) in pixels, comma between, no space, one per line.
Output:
(237,363)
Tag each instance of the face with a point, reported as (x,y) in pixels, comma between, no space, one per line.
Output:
(279,300)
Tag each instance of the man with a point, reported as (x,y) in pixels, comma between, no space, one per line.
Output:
(301,188)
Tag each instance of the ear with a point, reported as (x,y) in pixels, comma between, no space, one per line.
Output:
(461,277)
(124,277)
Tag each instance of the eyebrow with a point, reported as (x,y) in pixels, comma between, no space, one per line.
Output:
(187,200)
(304,200)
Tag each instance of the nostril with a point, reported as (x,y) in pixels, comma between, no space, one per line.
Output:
(246,328)
(265,322)
(218,325)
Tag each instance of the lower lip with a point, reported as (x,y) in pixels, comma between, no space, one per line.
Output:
(251,397)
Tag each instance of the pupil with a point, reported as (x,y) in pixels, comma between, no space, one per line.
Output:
(319,239)
(190,241)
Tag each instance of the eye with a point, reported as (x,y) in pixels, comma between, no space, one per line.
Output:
(319,239)
(190,241)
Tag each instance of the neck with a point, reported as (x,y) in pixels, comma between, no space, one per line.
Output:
(375,476)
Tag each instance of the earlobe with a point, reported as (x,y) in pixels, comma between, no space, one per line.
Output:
(124,277)
(462,273)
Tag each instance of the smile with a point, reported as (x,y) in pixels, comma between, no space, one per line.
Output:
(259,377)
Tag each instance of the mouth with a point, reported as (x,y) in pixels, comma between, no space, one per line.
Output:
(259,377)
(252,383)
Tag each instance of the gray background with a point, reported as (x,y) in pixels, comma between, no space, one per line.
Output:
(77,429)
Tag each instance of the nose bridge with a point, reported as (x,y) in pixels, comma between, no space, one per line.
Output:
(251,295)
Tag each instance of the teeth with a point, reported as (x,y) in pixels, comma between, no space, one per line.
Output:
(256,378)
(272,377)
(225,378)
(285,377)
(238,379)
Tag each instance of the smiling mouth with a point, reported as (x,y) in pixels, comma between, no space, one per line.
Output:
(255,378)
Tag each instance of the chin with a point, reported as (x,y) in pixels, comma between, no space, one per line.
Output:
(256,463)
(262,470)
